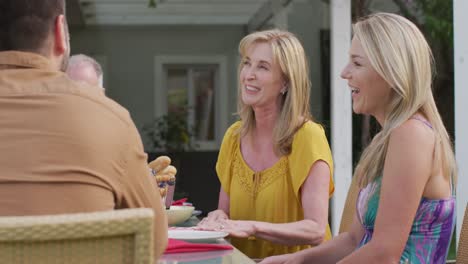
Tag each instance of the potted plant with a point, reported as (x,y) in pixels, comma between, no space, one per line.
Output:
(171,135)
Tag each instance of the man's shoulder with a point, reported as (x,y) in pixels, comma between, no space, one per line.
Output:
(61,98)
(88,98)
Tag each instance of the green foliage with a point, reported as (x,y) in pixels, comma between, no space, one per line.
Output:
(438,19)
(452,254)
(152,3)
(435,19)
(170,132)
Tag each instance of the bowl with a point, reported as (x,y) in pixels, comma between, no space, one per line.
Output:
(178,214)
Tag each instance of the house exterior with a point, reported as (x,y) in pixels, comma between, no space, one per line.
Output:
(184,53)
(144,60)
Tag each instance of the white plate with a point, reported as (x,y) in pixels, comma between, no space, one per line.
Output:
(196,235)
(189,257)
(196,212)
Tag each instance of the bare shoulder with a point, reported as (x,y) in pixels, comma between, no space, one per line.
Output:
(410,152)
(413,133)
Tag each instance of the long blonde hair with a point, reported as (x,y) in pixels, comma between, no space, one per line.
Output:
(400,54)
(295,110)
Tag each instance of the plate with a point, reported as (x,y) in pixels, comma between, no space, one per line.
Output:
(212,256)
(196,235)
(196,212)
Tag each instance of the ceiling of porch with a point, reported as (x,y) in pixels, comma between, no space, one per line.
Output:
(168,12)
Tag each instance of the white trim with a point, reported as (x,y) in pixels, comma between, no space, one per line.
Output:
(131,8)
(269,10)
(221,103)
(341,115)
(159,2)
(178,12)
(460,20)
(126,20)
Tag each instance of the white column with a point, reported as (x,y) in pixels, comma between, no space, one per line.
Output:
(460,20)
(341,119)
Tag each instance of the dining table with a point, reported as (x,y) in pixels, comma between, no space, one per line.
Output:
(232,256)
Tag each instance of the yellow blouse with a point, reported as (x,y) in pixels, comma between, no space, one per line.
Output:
(271,195)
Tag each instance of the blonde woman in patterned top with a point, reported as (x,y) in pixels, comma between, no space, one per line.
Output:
(275,164)
(405,210)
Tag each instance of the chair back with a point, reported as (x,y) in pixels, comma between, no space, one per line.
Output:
(350,206)
(462,252)
(119,236)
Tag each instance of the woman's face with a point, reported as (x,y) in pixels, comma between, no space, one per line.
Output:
(370,92)
(261,78)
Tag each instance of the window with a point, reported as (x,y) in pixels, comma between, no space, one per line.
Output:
(193,89)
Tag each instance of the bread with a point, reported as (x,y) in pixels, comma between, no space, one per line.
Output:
(169,170)
(160,163)
(163,191)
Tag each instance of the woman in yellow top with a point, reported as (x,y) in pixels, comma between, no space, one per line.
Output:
(275,165)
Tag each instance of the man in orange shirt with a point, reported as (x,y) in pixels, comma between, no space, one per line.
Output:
(63,149)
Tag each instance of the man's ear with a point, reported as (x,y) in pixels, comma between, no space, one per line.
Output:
(60,36)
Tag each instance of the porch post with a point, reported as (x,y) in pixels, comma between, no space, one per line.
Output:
(341,121)
(460,32)
(272,9)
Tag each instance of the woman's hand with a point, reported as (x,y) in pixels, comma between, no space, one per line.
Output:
(235,228)
(214,221)
(283,259)
(239,228)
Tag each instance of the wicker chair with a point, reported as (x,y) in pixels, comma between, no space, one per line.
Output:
(462,251)
(120,236)
(350,206)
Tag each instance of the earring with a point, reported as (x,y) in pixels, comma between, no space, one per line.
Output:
(283,91)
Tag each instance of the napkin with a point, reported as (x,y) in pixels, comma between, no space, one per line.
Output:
(179,246)
(179,202)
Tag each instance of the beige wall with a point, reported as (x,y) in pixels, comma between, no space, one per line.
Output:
(130,51)
(306,20)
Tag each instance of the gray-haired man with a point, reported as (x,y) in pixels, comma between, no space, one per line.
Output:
(85,69)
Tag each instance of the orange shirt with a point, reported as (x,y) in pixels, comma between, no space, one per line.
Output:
(67,148)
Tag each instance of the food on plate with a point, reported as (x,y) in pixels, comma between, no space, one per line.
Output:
(166,176)
(162,191)
(164,173)
(160,163)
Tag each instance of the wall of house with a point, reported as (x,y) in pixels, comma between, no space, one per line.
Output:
(306,20)
(128,53)
(129,57)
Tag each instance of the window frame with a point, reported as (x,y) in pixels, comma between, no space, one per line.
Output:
(221,94)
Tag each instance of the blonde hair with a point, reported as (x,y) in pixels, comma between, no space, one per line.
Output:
(289,54)
(400,54)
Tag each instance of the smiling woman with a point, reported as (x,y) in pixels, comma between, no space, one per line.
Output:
(371,93)
(405,210)
(259,70)
(275,164)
